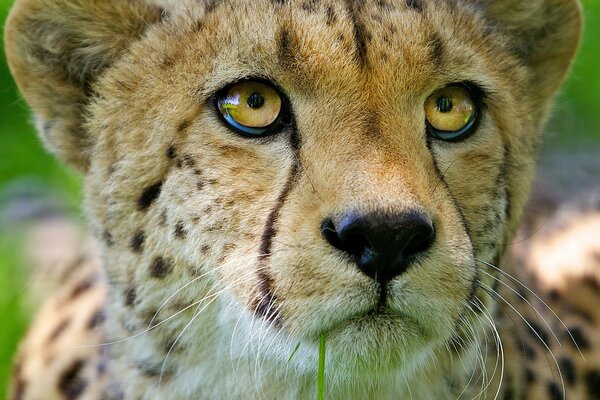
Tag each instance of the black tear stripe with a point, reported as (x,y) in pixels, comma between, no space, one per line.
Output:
(265,306)
(360,34)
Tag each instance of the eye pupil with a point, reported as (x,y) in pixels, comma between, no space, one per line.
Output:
(255,100)
(444,104)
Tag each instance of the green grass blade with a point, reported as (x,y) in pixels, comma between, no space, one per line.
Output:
(321,377)
(294,352)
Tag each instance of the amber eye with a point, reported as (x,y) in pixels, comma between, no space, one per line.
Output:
(451,112)
(251,108)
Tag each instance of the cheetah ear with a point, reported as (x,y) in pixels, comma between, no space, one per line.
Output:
(545,34)
(56,49)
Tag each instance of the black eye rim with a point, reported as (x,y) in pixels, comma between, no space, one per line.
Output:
(478,96)
(283,121)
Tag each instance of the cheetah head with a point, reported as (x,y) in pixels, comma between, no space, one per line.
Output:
(277,170)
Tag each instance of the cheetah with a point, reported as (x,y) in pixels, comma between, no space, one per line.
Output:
(264,177)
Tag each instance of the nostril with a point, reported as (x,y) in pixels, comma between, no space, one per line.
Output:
(330,234)
(423,235)
(352,243)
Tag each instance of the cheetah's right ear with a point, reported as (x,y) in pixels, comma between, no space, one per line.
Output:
(57,48)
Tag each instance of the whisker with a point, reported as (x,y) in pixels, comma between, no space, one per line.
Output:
(529,303)
(537,297)
(492,292)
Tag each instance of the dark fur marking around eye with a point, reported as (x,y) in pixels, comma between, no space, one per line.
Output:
(96,319)
(130,296)
(180,232)
(137,241)
(592,381)
(71,384)
(160,268)
(360,34)
(60,328)
(265,302)
(416,5)
(148,196)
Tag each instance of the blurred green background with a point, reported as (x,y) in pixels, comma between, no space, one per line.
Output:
(576,123)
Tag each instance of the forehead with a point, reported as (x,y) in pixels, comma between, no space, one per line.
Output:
(405,44)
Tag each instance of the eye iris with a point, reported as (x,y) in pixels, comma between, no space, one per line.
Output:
(250,107)
(451,110)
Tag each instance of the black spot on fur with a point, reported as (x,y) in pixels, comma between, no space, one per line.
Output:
(183,125)
(528,351)
(529,376)
(285,48)
(437,50)
(96,319)
(137,241)
(541,334)
(310,6)
(211,5)
(60,328)
(554,391)
(71,383)
(148,196)
(180,232)
(83,286)
(189,161)
(47,127)
(579,338)
(130,296)
(163,218)
(592,381)
(331,17)
(108,238)
(568,370)
(160,268)
(171,152)
(416,5)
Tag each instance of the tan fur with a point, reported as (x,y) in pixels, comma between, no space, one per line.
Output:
(183,206)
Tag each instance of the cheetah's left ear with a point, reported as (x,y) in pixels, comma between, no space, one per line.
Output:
(56,49)
(544,33)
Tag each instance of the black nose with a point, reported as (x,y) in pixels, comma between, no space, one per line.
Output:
(381,244)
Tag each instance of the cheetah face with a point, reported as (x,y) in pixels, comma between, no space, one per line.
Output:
(315,168)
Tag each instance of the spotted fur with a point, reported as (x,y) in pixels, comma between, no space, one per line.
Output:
(214,266)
